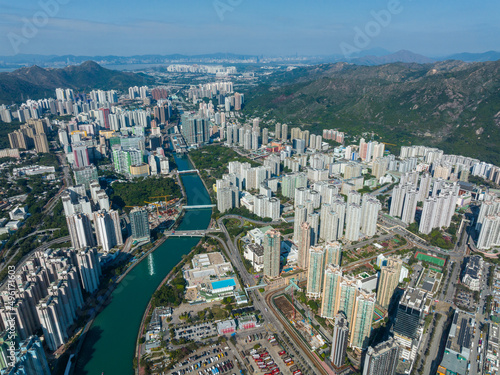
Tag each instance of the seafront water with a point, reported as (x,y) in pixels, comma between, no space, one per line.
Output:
(109,347)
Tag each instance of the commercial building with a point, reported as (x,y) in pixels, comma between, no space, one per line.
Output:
(139,224)
(139,170)
(382,359)
(272,246)
(492,363)
(255,254)
(340,340)
(408,326)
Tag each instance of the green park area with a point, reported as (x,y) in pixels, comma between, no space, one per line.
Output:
(136,192)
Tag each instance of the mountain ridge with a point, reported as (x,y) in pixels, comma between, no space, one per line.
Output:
(451,104)
(36,82)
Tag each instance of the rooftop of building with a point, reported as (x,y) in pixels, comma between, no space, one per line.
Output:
(474,266)
(256,249)
(414,298)
(208,259)
(454,363)
(461,334)
(429,281)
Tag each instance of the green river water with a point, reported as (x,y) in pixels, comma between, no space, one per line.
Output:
(109,347)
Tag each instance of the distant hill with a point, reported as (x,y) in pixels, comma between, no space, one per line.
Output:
(35,82)
(452,105)
(476,57)
(400,56)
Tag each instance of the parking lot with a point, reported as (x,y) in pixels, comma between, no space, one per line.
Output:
(263,354)
(213,360)
(464,300)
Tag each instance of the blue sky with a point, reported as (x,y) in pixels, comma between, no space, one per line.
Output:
(270,27)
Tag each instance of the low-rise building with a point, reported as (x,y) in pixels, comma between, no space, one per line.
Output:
(32,170)
(255,254)
(226,327)
(458,345)
(473,273)
(211,278)
(492,363)
(367,282)
(19,213)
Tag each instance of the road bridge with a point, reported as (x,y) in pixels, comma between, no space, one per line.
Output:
(198,207)
(189,171)
(190,233)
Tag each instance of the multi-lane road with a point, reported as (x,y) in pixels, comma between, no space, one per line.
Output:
(258,301)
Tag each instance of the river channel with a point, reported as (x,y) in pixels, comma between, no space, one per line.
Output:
(109,347)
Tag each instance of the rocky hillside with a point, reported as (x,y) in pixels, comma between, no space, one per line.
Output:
(452,105)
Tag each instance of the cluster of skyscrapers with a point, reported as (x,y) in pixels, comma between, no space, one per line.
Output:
(439,202)
(31,135)
(49,293)
(29,359)
(81,213)
(488,222)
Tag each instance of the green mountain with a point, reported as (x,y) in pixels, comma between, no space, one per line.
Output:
(35,82)
(451,105)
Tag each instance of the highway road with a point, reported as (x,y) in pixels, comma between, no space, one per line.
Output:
(243,219)
(258,301)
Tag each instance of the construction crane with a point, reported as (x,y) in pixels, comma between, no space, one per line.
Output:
(157,205)
(310,322)
(293,286)
(162,196)
(389,144)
